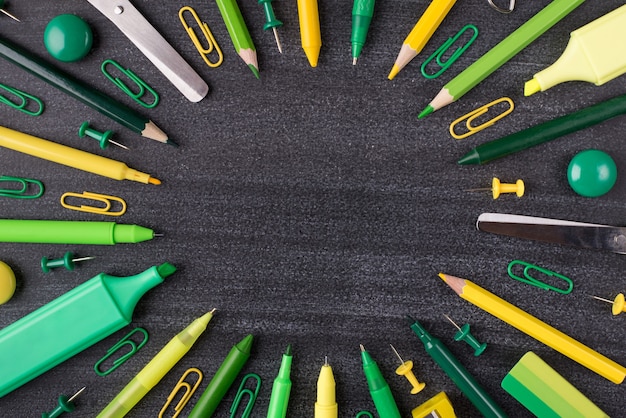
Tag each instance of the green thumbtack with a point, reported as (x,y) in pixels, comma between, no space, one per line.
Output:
(103,137)
(66,261)
(65,405)
(463,334)
(7,13)
(271,21)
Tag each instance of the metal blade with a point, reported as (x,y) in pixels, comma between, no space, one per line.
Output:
(578,234)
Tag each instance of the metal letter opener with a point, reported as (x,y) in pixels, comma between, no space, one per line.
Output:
(149,41)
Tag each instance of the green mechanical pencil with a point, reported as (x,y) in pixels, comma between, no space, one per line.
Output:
(362,12)
(239,33)
(71,232)
(379,389)
(71,323)
(223,379)
(281,389)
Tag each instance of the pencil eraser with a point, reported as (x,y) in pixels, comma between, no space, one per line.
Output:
(7,283)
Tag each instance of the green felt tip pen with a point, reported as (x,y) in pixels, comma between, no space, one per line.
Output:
(379,389)
(71,232)
(282,388)
(457,372)
(71,323)
(362,12)
(223,379)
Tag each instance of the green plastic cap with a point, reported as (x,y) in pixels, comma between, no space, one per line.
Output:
(68,38)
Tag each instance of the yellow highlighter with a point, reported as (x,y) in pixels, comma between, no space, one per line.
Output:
(310,34)
(589,56)
(71,157)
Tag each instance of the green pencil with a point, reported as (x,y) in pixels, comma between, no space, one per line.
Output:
(239,33)
(501,53)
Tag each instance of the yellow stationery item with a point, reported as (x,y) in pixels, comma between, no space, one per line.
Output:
(326,404)
(439,405)
(595,53)
(406,369)
(474,114)
(7,283)
(310,34)
(208,36)
(102,198)
(183,389)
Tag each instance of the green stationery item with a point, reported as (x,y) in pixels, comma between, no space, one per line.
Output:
(281,389)
(239,34)
(223,379)
(71,232)
(546,131)
(545,392)
(379,389)
(71,323)
(362,12)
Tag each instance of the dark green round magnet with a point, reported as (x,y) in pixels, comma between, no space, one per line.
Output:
(68,38)
(592,173)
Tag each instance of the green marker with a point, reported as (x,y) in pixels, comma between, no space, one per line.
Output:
(271,22)
(362,12)
(282,388)
(71,232)
(379,389)
(71,323)
(239,33)
(223,379)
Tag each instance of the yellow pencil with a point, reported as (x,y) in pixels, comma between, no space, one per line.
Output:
(537,329)
(71,157)
(421,33)
(310,34)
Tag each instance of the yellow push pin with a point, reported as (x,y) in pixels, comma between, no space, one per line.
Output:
(498,188)
(405,369)
(619,304)
(7,282)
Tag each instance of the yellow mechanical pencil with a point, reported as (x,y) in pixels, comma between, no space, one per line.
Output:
(156,369)
(71,157)
(326,405)
(310,34)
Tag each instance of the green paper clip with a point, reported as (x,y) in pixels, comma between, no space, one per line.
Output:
(134,347)
(242,391)
(142,85)
(24,99)
(534,282)
(440,52)
(21,192)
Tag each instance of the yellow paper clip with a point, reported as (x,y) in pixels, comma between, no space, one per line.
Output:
(126,341)
(471,116)
(204,28)
(242,391)
(106,199)
(188,391)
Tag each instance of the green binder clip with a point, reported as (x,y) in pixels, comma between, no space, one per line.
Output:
(21,101)
(126,341)
(22,190)
(528,279)
(443,49)
(142,85)
(243,391)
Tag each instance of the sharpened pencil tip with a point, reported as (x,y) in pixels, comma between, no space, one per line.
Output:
(394,72)
(154,181)
(429,109)
(255,70)
(172,143)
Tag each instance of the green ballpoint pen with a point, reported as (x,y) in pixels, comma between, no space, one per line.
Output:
(71,232)
(223,379)
(379,389)
(459,374)
(239,33)
(281,388)
(362,12)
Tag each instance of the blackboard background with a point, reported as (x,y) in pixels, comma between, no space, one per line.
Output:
(311,207)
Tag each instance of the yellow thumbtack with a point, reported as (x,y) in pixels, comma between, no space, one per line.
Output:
(498,188)
(619,304)
(405,369)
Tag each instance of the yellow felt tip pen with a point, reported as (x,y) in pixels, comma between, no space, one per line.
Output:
(71,157)
(310,34)
(590,55)
(326,405)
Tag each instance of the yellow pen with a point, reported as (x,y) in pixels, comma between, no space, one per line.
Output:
(326,405)
(156,369)
(310,34)
(71,157)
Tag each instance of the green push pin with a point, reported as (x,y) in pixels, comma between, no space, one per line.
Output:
(463,334)
(271,21)
(102,137)
(66,261)
(65,405)
(7,13)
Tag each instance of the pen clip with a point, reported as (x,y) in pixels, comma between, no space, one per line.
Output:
(142,85)
(441,51)
(528,279)
(474,114)
(134,347)
(210,39)
(24,100)
(242,391)
(188,391)
(106,199)
(21,192)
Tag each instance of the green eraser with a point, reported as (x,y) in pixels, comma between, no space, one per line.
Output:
(545,393)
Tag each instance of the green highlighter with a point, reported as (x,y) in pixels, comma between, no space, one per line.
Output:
(71,323)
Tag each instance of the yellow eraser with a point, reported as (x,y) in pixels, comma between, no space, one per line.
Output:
(7,283)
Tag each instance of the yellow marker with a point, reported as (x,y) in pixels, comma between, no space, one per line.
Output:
(71,157)
(406,369)
(310,34)
(326,405)
(536,328)
(593,54)
(421,33)
(619,304)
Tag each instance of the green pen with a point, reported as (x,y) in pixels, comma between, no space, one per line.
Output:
(362,12)
(379,389)
(281,389)
(71,232)
(223,379)
(239,33)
